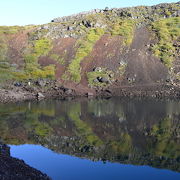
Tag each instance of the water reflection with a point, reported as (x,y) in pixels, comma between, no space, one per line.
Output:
(142,132)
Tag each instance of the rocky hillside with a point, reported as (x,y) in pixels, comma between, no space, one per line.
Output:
(129,48)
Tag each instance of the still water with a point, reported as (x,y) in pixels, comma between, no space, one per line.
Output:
(96,139)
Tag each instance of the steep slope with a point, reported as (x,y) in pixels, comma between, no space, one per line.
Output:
(133,48)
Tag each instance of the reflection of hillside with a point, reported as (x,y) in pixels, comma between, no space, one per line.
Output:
(117,130)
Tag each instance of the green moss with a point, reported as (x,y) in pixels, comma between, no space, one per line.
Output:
(124,28)
(104,73)
(122,68)
(31,73)
(54,57)
(30,59)
(32,69)
(57,58)
(42,47)
(10,29)
(167,13)
(39,48)
(5,75)
(167,30)
(3,49)
(178,76)
(85,46)
(46,72)
(20,75)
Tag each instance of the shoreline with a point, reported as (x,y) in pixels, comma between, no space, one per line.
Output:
(13,168)
(25,93)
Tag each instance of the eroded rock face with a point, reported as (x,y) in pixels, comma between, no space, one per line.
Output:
(4,150)
(144,14)
(135,12)
(12,168)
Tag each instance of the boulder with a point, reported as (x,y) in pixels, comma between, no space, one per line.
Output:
(89,94)
(106,9)
(4,150)
(87,23)
(68,91)
(41,83)
(97,69)
(103,80)
(96,80)
(40,96)
(18,84)
(69,28)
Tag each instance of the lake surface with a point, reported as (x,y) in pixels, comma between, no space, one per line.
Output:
(99,139)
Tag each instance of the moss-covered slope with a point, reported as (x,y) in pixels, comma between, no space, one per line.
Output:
(101,48)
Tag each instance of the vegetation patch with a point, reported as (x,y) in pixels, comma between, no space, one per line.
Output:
(178,76)
(100,77)
(3,49)
(5,75)
(122,68)
(124,28)
(57,58)
(85,46)
(10,29)
(32,69)
(42,47)
(167,31)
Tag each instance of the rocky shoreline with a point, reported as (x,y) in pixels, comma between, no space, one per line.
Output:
(38,90)
(12,168)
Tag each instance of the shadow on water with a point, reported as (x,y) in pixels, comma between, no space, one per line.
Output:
(139,132)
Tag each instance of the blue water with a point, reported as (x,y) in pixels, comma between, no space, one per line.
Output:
(66,167)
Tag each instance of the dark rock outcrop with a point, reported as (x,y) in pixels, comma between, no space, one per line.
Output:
(12,168)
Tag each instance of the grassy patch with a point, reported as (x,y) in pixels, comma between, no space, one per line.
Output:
(85,47)
(167,30)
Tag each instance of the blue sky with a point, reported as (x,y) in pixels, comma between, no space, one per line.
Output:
(23,12)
